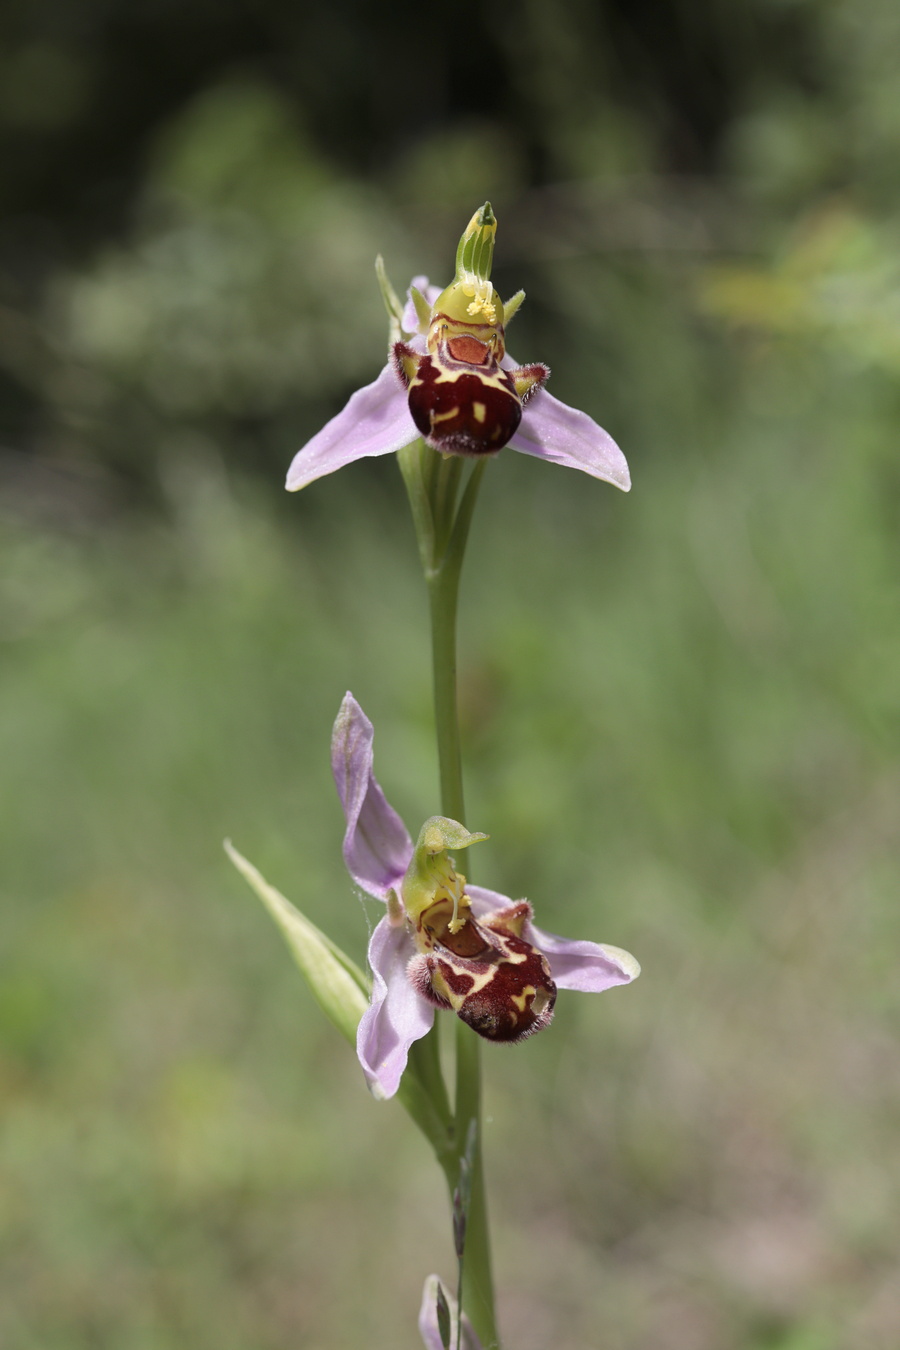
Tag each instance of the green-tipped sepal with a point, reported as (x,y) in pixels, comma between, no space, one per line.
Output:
(392,303)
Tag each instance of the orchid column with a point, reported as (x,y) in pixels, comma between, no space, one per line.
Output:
(449,399)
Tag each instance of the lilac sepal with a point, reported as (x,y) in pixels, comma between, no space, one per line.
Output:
(377,848)
(574,964)
(485,901)
(553,431)
(376,421)
(396,1015)
(428,1323)
(587,966)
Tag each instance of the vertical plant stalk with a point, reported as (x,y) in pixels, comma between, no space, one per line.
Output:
(442,529)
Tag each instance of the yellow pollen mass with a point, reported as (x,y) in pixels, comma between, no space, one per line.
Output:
(479,306)
(482,293)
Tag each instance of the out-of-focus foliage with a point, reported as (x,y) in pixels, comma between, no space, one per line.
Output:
(245,295)
(835,282)
(681,707)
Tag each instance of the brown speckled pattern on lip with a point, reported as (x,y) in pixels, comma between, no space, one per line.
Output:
(505,993)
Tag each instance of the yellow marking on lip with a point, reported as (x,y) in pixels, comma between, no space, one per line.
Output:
(520,1001)
(444,417)
(490,379)
(456,1001)
(479,412)
(510,957)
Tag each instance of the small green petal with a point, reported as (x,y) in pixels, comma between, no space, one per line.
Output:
(338,985)
(512,305)
(391,302)
(423,309)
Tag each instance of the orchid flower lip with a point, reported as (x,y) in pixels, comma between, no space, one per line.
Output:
(378,851)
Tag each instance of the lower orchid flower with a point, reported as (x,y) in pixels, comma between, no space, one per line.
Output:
(442,943)
(450,380)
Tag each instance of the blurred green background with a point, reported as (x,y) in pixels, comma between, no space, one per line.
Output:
(680,706)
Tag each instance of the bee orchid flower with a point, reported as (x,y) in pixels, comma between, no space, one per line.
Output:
(450,380)
(442,943)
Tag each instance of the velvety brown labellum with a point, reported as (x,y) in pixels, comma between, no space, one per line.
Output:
(504,992)
(461,400)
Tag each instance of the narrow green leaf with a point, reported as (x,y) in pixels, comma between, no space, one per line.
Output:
(338,985)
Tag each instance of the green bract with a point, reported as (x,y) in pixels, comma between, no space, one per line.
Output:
(338,985)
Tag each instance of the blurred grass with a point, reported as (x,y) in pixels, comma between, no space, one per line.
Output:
(681,724)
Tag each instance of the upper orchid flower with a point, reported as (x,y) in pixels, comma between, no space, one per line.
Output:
(443,943)
(450,380)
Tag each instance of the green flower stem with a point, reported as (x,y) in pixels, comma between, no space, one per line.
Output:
(478,1288)
(442,529)
(443,592)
